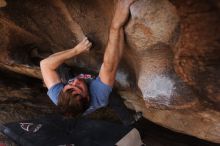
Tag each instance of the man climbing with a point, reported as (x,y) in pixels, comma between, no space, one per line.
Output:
(77,96)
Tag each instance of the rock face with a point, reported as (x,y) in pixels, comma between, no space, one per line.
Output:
(170,66)
(151,33)
(3,3)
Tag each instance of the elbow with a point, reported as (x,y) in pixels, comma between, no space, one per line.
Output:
(48,64)
(43,64)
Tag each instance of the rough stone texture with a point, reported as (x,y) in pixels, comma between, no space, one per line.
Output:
(30,102)
(153,25)
(159,85)
(151,33)
(170,66)
(20,99)
(202,121)
(2,3)
(197,54)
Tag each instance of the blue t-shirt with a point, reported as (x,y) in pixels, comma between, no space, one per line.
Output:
(99,93)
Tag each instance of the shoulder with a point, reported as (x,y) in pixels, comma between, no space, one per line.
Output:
(54,91)
(99,92)
(96,83)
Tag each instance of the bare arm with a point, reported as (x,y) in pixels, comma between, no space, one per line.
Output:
(50,64)
(115,46)
(112,56)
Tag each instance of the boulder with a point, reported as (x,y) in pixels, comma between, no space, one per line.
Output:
(2,3)
(170,67)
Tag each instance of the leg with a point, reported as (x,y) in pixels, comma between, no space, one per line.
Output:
(115,44)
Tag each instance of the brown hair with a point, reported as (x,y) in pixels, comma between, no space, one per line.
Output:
(69,105)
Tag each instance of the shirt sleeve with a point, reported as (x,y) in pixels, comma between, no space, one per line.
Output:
(99,92)
(54,92)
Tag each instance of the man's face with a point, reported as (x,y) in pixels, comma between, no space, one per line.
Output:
(78,88)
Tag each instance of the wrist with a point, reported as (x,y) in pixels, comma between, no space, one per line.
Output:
(114,30)
(75,51)
(115,27)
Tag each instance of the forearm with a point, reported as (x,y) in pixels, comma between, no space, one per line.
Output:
(114,48)
(50,64)
(55,60)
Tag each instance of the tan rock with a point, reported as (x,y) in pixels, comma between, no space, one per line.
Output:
(171,60)
(3,3)
(152,22)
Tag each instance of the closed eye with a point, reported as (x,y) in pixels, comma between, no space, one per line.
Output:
(70,90)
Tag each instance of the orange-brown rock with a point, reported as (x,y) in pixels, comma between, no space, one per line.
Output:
(2,3)
(170,68)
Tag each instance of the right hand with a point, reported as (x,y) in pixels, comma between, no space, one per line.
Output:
(84,45)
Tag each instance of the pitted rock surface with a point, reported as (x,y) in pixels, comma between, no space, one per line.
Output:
(2,3)
(154,24)
(170,67)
